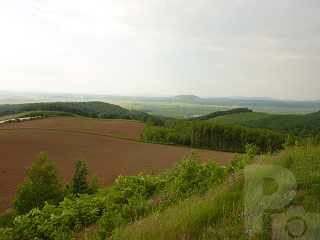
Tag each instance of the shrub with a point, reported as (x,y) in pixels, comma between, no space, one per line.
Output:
(57,222)
(42,184)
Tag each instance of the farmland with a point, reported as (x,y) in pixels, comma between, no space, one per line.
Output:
(119,128)
(104,143)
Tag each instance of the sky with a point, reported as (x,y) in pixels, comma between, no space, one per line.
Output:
(210,48)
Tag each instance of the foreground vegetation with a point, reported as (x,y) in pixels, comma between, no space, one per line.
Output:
(219,214)
(193,200)
(129,199)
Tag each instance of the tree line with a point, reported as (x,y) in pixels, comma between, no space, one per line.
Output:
(93,109)
(210,135)
(297,125)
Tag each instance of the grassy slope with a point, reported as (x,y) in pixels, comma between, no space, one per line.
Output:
(218,214)
(12,116)
(240,117)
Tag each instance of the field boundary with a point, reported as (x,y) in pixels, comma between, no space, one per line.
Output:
(123,138)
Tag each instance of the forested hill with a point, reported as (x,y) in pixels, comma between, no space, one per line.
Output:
(87,109)
(298,125)
(222,113)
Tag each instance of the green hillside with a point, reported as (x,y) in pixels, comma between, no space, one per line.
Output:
(193,200)
(240,117)
(298,125)
(219,213)
(222,113)
(88,109)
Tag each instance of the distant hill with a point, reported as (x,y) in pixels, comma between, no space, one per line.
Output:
(186,98)
(93,109)
(252,98)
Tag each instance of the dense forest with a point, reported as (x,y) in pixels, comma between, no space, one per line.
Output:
(297,125)
(87,109)
(210,135)
(222,113)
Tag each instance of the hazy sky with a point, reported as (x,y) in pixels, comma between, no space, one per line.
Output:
(203,47)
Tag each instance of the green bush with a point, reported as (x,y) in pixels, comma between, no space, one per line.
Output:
(192,175)
(6,219)
(42,184)
(58,222)
(107,223)
(129,199)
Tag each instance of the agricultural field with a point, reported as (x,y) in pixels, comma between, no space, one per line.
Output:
(180,110)
(102,142)
(119,128)
(240,117)
(177,110)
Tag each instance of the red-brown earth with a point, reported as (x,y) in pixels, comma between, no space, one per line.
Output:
(107,157)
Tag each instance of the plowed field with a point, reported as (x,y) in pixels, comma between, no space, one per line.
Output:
(106,156)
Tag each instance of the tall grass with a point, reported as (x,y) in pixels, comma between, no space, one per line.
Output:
(219,214)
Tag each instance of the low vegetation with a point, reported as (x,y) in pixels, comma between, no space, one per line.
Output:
(193,200)
(219,214)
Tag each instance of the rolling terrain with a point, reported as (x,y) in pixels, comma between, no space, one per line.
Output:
(104,143)
(240,117)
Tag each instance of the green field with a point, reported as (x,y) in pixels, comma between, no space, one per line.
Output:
(180,107)
(239,118)
(177,110)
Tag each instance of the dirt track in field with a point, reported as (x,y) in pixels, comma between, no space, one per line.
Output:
(107,157)
(117,128)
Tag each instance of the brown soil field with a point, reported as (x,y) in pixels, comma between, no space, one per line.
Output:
(117,128)
(105,156)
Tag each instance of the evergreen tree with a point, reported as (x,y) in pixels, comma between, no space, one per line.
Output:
(79,182)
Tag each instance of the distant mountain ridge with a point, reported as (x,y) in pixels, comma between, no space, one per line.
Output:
(187,98)
(251,98)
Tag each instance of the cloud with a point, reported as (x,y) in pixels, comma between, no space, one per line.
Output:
(256,31)
(183,44)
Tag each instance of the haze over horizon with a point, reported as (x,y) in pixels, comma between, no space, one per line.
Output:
(206,48)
